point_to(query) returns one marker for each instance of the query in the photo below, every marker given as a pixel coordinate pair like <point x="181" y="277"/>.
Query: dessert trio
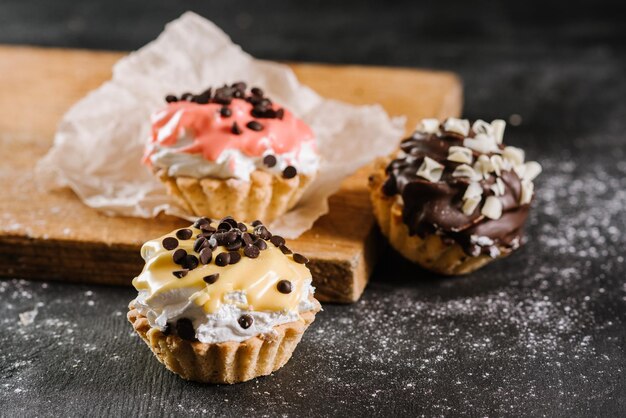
<point x="225" y="301"/>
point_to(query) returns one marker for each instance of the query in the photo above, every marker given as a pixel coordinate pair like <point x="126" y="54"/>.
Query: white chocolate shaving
<point x="470" y="205"/>
<point x="498" y="126"/>
<point x="492" y="208"/>
<point x="473" y="190"/>
<point x="480" y="127"/>
<point x="514" y="155"/>
<point x="483" y="166"/>
<point x="482" y="143"/>
<point x="526" y="194"/>
<point x="531" y="170"/>
<point x="496" y="163"/>
<point x="460" y="154"/>
<point x="465" y="170"/>
<point x="458" y="126"/>
<point x="498" y="187"/>
<point x="428" y="126"/>
<point x="430" y="169"/>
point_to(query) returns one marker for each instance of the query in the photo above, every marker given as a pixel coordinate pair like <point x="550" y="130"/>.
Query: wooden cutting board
<point x="52" y="235"/>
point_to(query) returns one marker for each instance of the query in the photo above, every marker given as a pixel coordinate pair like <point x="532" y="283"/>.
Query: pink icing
<point x="212" y="134"/>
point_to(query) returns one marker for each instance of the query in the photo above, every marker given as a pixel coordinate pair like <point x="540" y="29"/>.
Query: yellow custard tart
<point x="222" y="301"/>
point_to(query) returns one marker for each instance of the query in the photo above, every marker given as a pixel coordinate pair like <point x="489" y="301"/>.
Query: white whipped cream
<point x="231" y="163"/>
<point x="222" y="325"/>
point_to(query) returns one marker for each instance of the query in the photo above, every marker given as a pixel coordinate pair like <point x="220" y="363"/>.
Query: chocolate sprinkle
<point x="251" y="251"/>
<point x="299" y="258"/>
<point x="169" y="243"/>
<point x="211" y="278"/>
<point x="290" y="172"/>
<point x="179" y="256"/>
<point x="269" y="160"/>
<point x="206" y="255"/>
<point x="284" y="286"/>
<point x="184" y="329"/>
<point x="236" y="129"/>
<point x="180" y="273"/>
<point x="184" y="234"/>
<point x="235" y="257"/>
<point x="245" y="321"/>
<point x="254" y="125"/>
<point x="225" y="112"/>
<point x="277" y="240"/>
<point x="222" y="259"/>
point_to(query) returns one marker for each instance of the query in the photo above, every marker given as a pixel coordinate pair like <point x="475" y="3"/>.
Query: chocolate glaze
<point x="437" y="207"/>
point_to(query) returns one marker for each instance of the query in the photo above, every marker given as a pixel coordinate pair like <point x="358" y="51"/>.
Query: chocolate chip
<point x="262" y="232"/>
<point x="299" y="258"/>
<point x="179" y="256"/>
<point x="251" y="251"/>
<point x="254" y="125"/>
<point x="235" y="257"/>
<point x="169" y="243"/>
<point x="260" y="244"/>
<point x="234" y="246"/>
<point x="199" y="244"/>
<point x="186" y="96"/>
<point x="202" y="98"/>
<point x="280" y="113"/>
<point x="225" y="112"/>
<point x="201" y="221"/>
<point x="236" y="129"/>
<point x="184" y="234"/>
<point x="190" y="262"/>
<point x="224" y="226"/>
<point x="212" y="243"/>
<point x="247" y="238"/>
<point x="256" y="91"/>
<point x="229" y="220"/>
<point x="180" y="273"/>
<point x="240" y="85"/>
<point x="211" y="278"/>
<point x="257" y="223"/>
<point x="284" y="286"/>
<point x="222" y="259"/>
<point x="242" y="227"/>
<point x="245" y="321"/>
<point x="206" y="255"/>
<point x="170" y="98"/>
<point x="277" y="240"/>
<point x="230" y="237"/>
<point x="290" y="172"/>
<point x="269" y="160"/>
<point x="285" y="249"/>
<point x="167" y="330"/>
<point x="184" y="329"/>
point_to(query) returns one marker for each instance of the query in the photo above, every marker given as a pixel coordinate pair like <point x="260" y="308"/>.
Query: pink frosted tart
<point x="232" y="151"/>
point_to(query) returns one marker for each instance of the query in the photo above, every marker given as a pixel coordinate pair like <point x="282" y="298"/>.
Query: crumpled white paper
<point x="99" y="143"/>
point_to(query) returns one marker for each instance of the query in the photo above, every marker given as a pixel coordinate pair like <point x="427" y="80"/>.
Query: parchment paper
<point x="99" y="143"/>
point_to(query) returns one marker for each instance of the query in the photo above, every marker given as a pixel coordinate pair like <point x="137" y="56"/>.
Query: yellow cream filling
<point x="257" y="277"/>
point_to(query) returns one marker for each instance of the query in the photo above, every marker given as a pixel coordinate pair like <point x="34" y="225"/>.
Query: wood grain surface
<point x="52" y="235"/>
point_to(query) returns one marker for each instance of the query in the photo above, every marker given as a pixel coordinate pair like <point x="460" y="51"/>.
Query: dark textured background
<point x="540" y="333"/>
